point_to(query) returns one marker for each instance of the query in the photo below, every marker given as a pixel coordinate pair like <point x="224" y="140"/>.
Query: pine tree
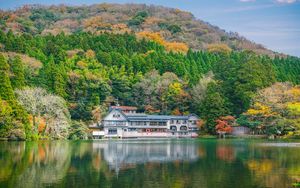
<point x="6" y="93"/>
<point x="17" y="69"/>
<point x="5" y="118"/>
<point x="46" y="75"/>
<point x="59" y="80"/>
<point x="212" y="107"/>
<point x="6" y="90"/>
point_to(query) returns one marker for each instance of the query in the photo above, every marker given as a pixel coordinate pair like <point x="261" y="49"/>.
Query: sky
<point x="273" y="23"/>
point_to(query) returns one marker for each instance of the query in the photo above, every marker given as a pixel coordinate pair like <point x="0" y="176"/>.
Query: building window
<point x="183" y="128"/>
<point x="172" y="121"/>
<point x="178" y="122"/>
<point x="116" y="115"/>
<point x="112" y="131"/>
<point x="173" y="128"/>
<point x="140" y="123"/>
<point x="153" y="123"/>
<point x="120" y="123"/>
<point x="162" y="123"/>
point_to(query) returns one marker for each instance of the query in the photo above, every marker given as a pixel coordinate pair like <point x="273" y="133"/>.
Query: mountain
<point x="52" y="86"/>
<point x="172" y="25"/>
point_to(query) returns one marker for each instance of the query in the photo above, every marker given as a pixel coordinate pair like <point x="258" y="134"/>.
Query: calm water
<point x="165" y="163"/>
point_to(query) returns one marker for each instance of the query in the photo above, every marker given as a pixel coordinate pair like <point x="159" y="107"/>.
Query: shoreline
<point x="203" y="137"/>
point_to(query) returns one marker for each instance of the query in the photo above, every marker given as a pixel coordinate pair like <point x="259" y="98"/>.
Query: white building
<point x="124" y="122"/>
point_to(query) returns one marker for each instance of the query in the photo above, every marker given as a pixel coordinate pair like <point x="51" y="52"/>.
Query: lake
<point x="150" y="163"/>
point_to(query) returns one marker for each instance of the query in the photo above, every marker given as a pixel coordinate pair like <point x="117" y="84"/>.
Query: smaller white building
<point x="124" y="122"/>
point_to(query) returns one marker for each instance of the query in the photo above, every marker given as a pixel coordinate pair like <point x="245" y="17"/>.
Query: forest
<point x="54" y="86"/>
<point x="172" y="24"/>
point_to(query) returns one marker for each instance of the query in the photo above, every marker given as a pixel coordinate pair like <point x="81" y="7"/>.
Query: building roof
<point x="138" y="117"/>
<point x="124" y="107"/>
<point x="143" y="117"/>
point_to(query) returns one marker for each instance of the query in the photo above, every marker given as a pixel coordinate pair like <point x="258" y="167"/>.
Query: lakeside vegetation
<point x="52" y="86"/>
<point x="62" y="67"/>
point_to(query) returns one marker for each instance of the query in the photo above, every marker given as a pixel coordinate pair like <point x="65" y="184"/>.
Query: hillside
<point x="173" y="25"/>
<point x="53" y="86"/>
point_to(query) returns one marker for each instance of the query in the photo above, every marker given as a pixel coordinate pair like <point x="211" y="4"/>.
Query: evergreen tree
<point x="6" y="90"/>
<point x="17" y="69"/>
<point x="212" y="107"/>
<point x="5" y="118"/>
<point x="46" y="75"/>
<point x="59" y="80"/>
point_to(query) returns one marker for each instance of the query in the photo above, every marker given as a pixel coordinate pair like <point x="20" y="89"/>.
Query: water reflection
<point x="165" y="163"/>
<point x="123" y="154"/>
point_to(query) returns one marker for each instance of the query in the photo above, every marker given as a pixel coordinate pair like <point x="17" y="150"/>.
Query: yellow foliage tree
<point x="81" y="64"/>
<point x="90" y="54"/>
<point x="294" y="108"/>
<point x="170" y="46"/>
<point x="95" y="23"/>
<point x="260" y="110"/>
<point x="219" y="48"/>
<point x="277" y="107"/>
<point x="176" y="47"/>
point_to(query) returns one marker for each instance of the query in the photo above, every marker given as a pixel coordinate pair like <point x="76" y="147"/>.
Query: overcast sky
<point x="273" y="23"/>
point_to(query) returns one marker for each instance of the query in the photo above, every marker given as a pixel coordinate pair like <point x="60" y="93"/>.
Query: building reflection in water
<point x="120" y="154"/>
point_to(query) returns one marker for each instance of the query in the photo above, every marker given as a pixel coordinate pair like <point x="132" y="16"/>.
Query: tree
<point x="6" y="90"/>
<point x="57" y="116"/>
<point x="78" y="130"/>
<point x="276" y="108"/>
<point x="17" y="69"/>
<point x="31" y="100"/>
<point x="198" y="91"/>
<point x="176" y="98"/>
<point x="244" y="120"/>
<point x="6" y="118"/>
<point x="212" y="107"/>
<point x="161" y="93"/>
<point x="121" y="85"/>
<point x="224" y="125"/>
<point x="145" y="91"/>
<point x="53" y="108"/>
<point x="60" y="80"/>
<point x="242" y="75"/>
<point x="219" y="48"/>
<point x="53" y="77"/>
<point x="251" y="76"/>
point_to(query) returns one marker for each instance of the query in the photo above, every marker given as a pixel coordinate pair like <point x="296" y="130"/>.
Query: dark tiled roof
<point x="141" y="117"/>
<point x="124" y="107"/>
<point x="136" y="117"/>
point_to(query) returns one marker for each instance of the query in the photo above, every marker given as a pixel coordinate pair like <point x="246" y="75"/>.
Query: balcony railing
<point x="114" y="123"/>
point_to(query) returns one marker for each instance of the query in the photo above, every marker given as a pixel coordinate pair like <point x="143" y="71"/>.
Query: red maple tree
<point x="224" y="124"/>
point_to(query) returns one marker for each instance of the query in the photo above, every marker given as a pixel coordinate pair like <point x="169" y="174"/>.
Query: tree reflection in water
<point x="159" y="163"/>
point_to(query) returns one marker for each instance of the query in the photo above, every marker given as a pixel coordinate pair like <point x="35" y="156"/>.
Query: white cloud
<point x="286" y="1"/>
<point x="248" y="8"/>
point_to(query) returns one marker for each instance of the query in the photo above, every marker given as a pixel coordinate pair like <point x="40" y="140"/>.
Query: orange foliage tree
<point x="150" y="109"/>
<point x="224" y="124"/>
<point x="170" y="46"/>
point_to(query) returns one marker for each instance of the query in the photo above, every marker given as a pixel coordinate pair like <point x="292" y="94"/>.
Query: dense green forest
<point x="173" y="25"/>
<point x="53" y="86"/>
